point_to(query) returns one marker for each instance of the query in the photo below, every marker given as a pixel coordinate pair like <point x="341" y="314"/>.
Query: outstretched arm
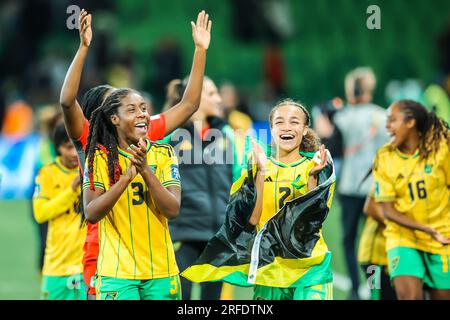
<point x="73" y="115"/>
<point x="392" y="214"/>
<point x="181" y="112"/>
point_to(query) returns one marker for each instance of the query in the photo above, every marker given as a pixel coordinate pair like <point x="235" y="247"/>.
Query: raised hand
<point x="259" y="155"/>
<point x="322" y="164"/>
<point x="201" y="30"/>
<point x="139" y="153"/>
<point x="131" y="173"/>
<point x="85" y="28"/>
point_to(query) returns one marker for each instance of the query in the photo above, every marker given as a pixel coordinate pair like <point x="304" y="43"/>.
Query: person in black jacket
<point x="205" y="151"/>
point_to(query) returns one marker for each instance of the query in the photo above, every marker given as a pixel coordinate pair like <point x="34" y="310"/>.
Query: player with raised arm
<point x="76" y="116"/>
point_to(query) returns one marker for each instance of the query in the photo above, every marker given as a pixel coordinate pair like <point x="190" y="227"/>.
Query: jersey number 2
<point x="286" y="193"/>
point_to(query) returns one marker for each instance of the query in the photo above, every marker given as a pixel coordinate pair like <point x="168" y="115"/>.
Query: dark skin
<point x="373" y="209"/>
<point x="175" y="117"/>
<point x="98" y="203"/>
<point x="406" y="138"/>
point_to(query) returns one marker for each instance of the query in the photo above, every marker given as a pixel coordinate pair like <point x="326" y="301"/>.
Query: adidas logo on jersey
<point x="268" y="179"/>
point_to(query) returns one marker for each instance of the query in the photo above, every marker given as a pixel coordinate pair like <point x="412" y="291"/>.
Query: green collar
<point x="129" y="155"/>
<point x="406" y="156"/>
<point x="64" y="168"/>
<point x="283" y="165"/>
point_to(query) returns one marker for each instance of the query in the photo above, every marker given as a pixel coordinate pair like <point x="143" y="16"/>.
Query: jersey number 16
<point x="421" y="191"/>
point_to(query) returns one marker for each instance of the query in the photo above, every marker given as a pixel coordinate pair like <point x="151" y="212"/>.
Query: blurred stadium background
<point x="268" y="49"/>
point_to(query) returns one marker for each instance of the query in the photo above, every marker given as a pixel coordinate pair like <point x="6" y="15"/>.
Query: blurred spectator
<point x="362" y="125"/>
<point x="167" y="64"/>
<point x="18" y="120"/>
<point x="274" y="73"/>
<point x="329" y="134"/>
<point x="233" y="108"/>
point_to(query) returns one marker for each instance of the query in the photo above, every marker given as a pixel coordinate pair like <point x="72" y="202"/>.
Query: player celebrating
<point x="55" y="199"/>
<point x="283" y="177"/>
<point x="131" y="189"/>
<point x="412" y="175"/>
<point x="76" y="116"/>
<point x="288" y="258"/>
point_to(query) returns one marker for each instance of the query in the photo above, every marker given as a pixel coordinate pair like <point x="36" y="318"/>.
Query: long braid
<point x="432" y="130"/>
<point x="103" y="136"/>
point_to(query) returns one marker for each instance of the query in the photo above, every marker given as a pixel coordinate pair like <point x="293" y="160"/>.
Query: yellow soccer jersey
<point x="372" y="245"/>
<point x="134" y="236"/>
<point x="55" y="201"/>
<point x="284" y="182"/>
<point x="420" y="190"/>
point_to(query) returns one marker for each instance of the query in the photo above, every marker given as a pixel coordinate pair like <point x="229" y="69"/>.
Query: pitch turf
<point x="19" y="275"/>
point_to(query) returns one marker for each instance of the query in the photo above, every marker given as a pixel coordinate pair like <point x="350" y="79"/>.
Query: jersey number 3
<point x="138" y="193"/>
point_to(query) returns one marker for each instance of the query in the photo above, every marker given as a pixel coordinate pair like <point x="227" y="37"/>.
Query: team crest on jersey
<point x="428" y="168"/>
<point x="296" y="184"/>
<point x="175" y="172"/>
<point x="153" y="168"/>
<point x="111" y="295"/>
<point x="394" y="262"/>
<point x="400" y="176"/>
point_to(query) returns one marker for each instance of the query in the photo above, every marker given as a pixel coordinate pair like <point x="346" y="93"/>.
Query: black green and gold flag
<point x="279" y="255"/>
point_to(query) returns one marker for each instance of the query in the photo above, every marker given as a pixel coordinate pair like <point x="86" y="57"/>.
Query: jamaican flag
<point x="278" y="255"/>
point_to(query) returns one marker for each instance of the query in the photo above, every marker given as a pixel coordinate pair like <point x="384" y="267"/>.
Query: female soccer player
<point x="412" y="175"/>
<point x="372" y="251"/>
<point x="131" y="189"/>
<point x="271" y="239"/>
<point x="76" y="116"/>
<point x="286" y="175"/>
<point x="56" y="196"/>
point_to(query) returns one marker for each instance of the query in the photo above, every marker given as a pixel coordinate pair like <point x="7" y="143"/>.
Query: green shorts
<point x="109" y="288"/>
<point x="63" y="288"/>
<point x="317" y="292"/>
<point x="433" y="269"/>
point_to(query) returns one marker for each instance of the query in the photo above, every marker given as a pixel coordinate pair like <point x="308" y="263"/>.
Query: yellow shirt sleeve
<point x="99" y="172"/>
<point x="46" y="205"/>
<point x="170" y="174"/>
<point x="384" y="187"/>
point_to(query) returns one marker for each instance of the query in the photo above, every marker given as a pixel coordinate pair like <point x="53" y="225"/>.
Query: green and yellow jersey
<point x="372" y="245"/>
<point x="134" y="236"/>
<point x="282" y="183"/>
<point x="55" y="201"/>
<point x="420" y="190"/>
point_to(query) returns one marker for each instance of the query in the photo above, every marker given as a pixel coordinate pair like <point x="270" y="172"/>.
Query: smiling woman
<point x="134" y="183"/>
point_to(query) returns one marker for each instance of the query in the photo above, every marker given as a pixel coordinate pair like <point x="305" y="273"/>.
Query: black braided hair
<point x="94" y="98"/>
<point x="432" y="130"/>
<point x="103" y="135"/>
